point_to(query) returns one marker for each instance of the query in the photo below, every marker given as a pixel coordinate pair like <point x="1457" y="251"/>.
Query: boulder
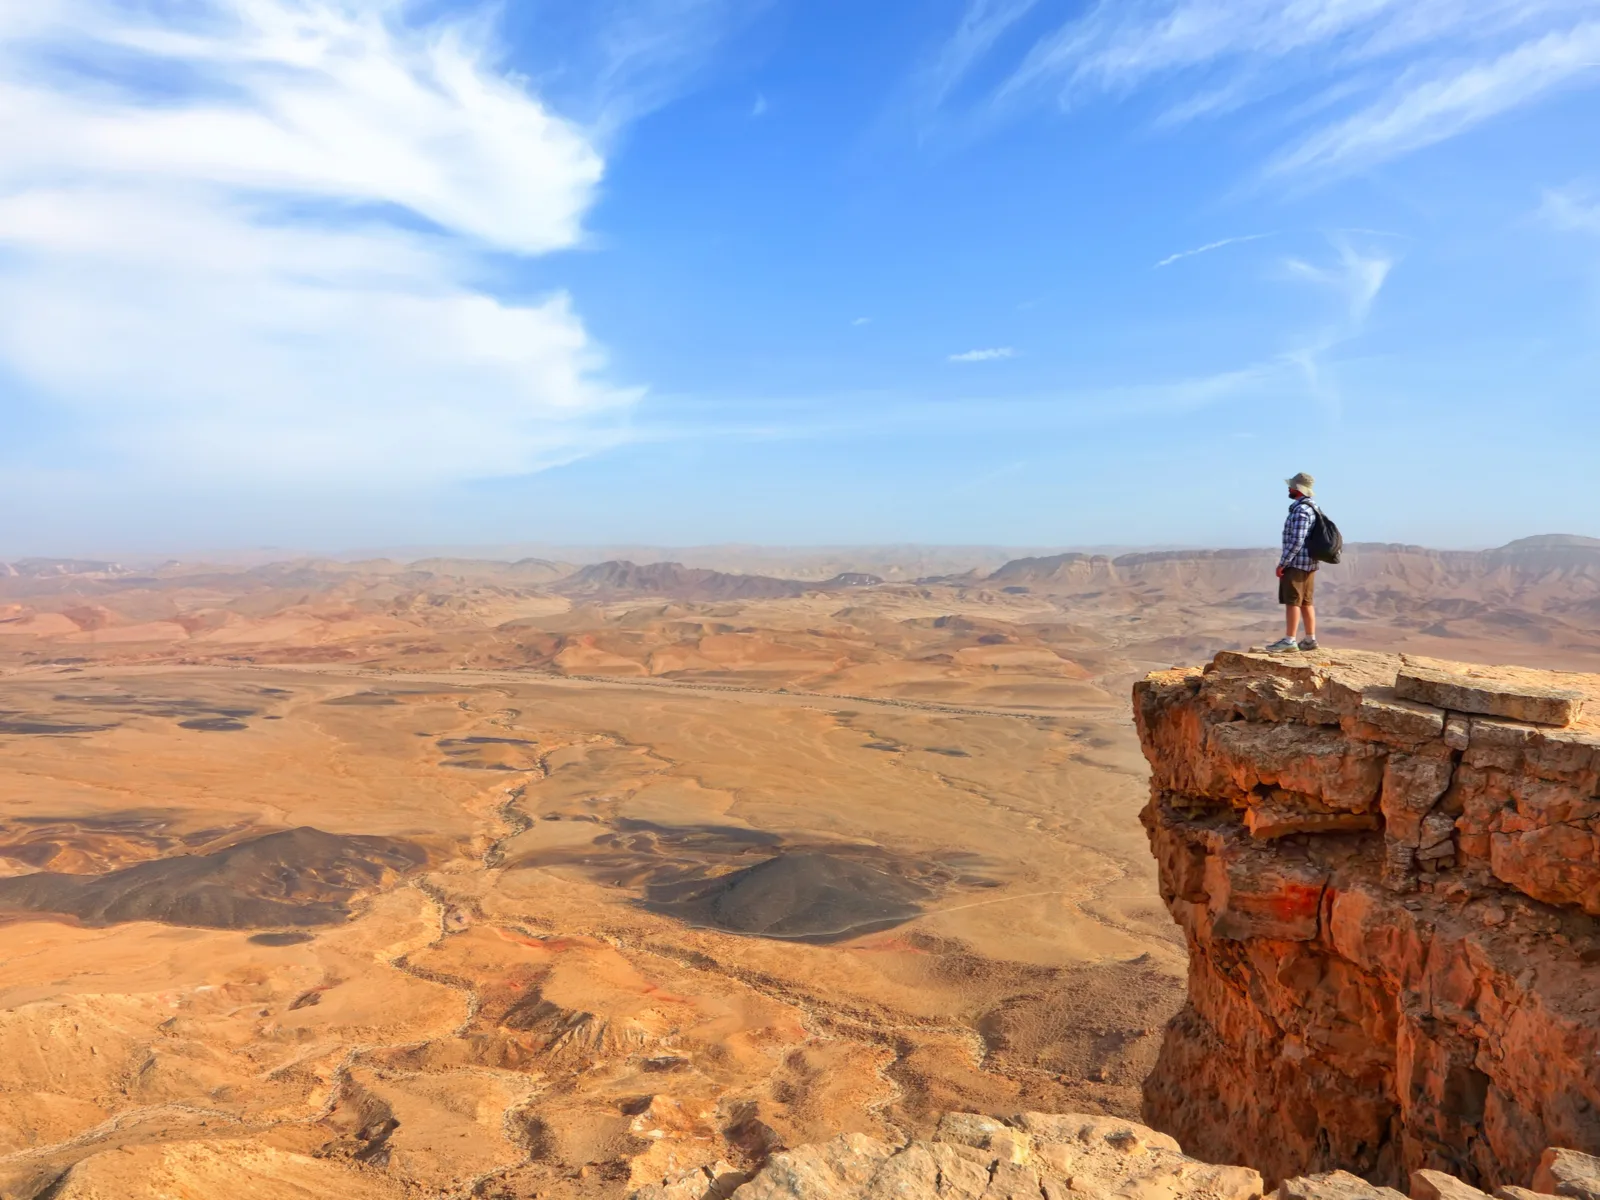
<point x="1568" y="1173"/>
<point x="839" y="1168"/>
<point x="1436" y="1185"/>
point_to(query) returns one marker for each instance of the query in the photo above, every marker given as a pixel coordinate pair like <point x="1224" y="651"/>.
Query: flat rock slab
<point x="1334" y="1185"/>
<point x="1272" y="817"/>
<point x="1490" y="697"/>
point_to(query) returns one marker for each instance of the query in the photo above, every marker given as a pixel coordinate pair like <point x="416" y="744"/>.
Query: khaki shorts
<point x="1296" y="586"/>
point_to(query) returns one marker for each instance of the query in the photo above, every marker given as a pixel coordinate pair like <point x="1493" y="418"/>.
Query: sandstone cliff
<point x="1388" y="872"/>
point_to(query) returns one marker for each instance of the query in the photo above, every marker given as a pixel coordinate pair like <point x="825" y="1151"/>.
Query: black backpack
<point x="1324" y="542"/>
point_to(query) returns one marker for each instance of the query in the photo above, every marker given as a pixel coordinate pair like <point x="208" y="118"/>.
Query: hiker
<point x="1297" y="570"/>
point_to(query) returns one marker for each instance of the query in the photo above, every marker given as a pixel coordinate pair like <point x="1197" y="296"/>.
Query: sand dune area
<point x="512" y="880"/>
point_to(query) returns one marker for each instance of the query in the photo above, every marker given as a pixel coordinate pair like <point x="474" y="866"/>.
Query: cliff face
<point x="1388" y="872"/>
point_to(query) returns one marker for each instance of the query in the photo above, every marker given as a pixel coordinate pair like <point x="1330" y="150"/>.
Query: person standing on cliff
<point x="1297" y="570"/>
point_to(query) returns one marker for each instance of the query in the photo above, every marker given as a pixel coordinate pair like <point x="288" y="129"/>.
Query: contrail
<point x="1172" y="258"/>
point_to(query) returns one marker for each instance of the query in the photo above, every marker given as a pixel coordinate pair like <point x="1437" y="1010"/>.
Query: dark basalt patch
<point x="379" y="699"/>
<point x="811" y="897"/>
<point x="15" y="723"/>
<point x="751" y="882"/>
<point x="293" y="937"/>
<point x="296" y="878"/>
<point x="159" y="706"/>
<point x="213" y="724"/>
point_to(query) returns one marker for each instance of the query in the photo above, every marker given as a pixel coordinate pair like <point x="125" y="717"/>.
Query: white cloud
<point x="984" y="22"/>
<point x="1354" y="279"/>
<point x="1208" y="247"/>
<point x="1357" y="278"/>
<point x="1571" y="210"/>
<point x="1432" y="105"/>
<point x="973" y="356"/>
<point x="862" y="321"/>
<point x="1365" y="80"/>
<point x="622" y="59"/>
<point x="759" y="108"/>
<point x="277" y="273"/>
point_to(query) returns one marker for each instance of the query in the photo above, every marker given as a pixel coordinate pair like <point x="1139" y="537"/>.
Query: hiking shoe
<point x="1283" y="644"/>
<point x="1309" y="644"/>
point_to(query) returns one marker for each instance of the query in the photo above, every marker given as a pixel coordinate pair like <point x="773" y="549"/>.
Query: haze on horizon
<point x="338" y="273"/>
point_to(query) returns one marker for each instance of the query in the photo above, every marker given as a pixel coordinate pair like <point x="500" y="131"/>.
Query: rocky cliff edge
<point x="1388" y="873"/>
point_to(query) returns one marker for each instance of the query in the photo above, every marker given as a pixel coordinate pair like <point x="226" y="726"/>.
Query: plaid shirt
<point x="1295" y="531"/>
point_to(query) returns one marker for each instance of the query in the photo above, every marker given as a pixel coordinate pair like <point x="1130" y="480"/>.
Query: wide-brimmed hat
<point x="1302" y="483"/>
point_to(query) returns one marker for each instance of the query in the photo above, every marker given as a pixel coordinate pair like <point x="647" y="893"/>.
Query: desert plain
<point x="464" y="877"/>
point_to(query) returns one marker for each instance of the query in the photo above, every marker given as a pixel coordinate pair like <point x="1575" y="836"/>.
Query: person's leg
<point x="1289" y="596"/>
<point x="1309" y="612"/>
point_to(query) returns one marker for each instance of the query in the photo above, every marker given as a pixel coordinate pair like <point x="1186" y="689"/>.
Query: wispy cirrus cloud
<point x="1355" y="82"/>
<point x="1571" y="209"/>
<point x="981" y="26"/>
<point x="1209" y="247"/>
<point x="989" y="355"/>
<point x="610" y="62"/>
<point x="1434" y="104"/>
<point x="252" y="240"/>
<point x="1354" y="278"/>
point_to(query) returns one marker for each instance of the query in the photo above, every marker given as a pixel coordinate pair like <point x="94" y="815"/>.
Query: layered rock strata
<point x="1388" y="874"/>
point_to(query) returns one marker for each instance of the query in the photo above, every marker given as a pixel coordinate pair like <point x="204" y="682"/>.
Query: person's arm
<point x="1295" y="531"/>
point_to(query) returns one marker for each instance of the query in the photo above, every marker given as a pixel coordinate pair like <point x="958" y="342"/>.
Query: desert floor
<point x="379" y="888"/>
<point x="469" y="933"/>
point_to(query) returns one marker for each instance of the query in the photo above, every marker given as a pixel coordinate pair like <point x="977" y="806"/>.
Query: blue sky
<point x="326" y="273"/>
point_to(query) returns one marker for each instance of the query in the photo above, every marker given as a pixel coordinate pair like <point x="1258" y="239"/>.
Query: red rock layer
<point x="1394" y="958"/>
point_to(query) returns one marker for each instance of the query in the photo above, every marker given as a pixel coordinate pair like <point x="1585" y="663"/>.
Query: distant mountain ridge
<point x="678" y="582"/>
<point x="1211" y="573"/>
<point x="1553" y="541"/>
<point x="1547" y="557"/>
